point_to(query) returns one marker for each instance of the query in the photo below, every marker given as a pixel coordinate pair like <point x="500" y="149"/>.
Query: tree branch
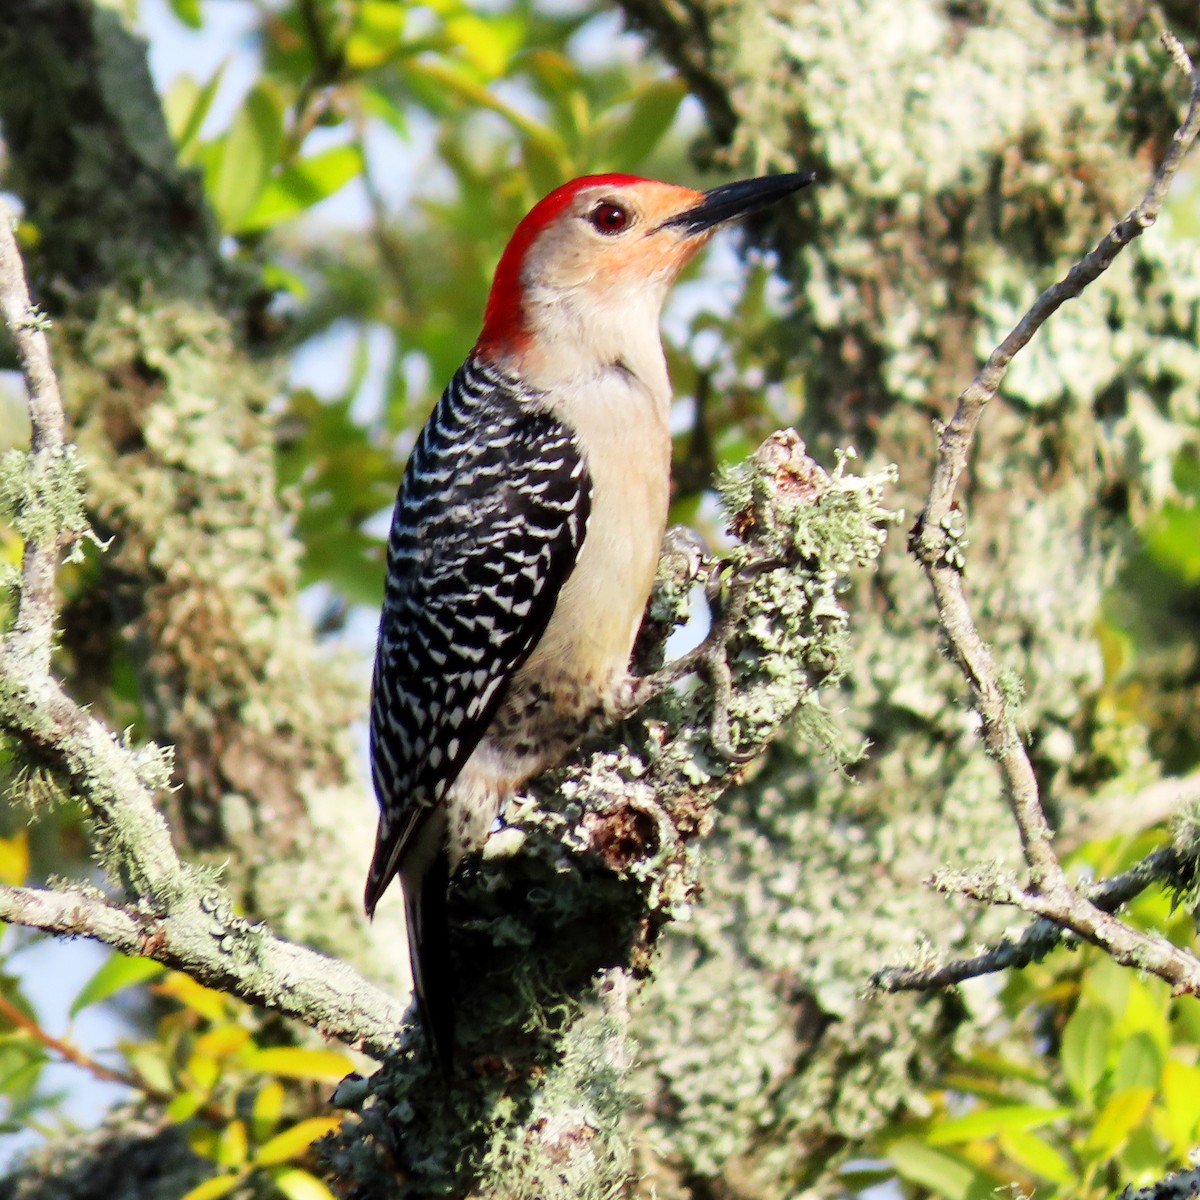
<point x="180" y="916"/>
<point x="32" y="633"/>
<point x="936" y="541"/>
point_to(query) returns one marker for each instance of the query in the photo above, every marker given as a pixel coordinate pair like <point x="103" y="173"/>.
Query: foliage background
<point x="245" y="509"/>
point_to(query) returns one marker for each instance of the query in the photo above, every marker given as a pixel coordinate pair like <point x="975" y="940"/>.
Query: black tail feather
<point x="426" y="911"/>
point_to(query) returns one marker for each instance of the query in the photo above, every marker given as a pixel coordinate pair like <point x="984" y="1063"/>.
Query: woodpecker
<point x="526" y="533"/>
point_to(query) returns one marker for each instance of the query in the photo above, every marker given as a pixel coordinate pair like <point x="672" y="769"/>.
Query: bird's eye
<point x="608" y="218"/>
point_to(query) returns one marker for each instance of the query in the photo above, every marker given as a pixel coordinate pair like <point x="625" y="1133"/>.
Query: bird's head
<point x="586" y="272"/>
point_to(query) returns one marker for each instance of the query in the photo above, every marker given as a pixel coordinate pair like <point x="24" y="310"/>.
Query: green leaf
<point x="248" y="154"/>
<point x="116" y="974"/>
<point x="296" y="1184"/>
<point x="943" y="1174"/>
<point x="988" y="1122"/>
<point x="185" y="106"/>
<point x="1085" y="1048"/>
<point x="300" y="185"/>
<point x="188" y="11"/>
<point x="650" y="116"/>
<point x="1140" y="1062"/>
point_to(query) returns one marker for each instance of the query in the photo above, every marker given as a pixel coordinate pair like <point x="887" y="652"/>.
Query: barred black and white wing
<point x="489" y="522"/>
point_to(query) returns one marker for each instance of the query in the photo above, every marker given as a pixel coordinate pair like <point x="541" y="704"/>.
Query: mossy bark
<point x="968" y="154"/>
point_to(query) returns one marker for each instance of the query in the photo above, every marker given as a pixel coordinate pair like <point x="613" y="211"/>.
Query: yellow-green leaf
<point x="206" y="1002"/>
<point x="325" y="1066"/>
<point x="183" y="1107"/>
<point x="247" y="155"/>
<point x="1117" y="1120"/>
<point x="233" y="1146"/>
<point x="221" y="1041"/>
<point x="185" y="105"/>
<point x="267" y="1109"/>
<point x="942" y="1173"/>
<point x="204" y="1072"/>
<point x="376" y="34"/>
<point x="988" y="1122"/>
<point x="291" y="1142"/>
<point x="188" y="11"/>
<point x="1180" y="1113"/>
<point x="296" y="1184"/>
<point x="212" y="1189"/>
<point x="1037" y="1156"/>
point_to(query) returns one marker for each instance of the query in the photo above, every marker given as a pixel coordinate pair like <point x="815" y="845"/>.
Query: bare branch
<point x="935" y="542"/>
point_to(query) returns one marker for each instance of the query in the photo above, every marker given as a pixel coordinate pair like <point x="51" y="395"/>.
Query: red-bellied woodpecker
<point x="526" y="533"/>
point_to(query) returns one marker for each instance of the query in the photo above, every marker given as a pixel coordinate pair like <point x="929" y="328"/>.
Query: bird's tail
<point x="421" y="860"/>
<point x="425" y="910"/>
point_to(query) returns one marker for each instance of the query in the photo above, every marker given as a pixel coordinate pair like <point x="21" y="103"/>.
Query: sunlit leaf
<point x="488" y="43"/>
<point x="233" y="1146"/>
<point x="14" y="859"/>
<point x="115" y="974"/>
<point x="206" y="1002"/>
<point x="1180" y="1112"/>
<point x="185" y="105"/>
<point x="988" y="1122"/>
<point x="296" y="1184"/>
<point x="1037" y="1156"/>
<point x="377" y="31"/>
<point x="290" y="1062"/>
<point x="222" y="1041"/>
<point x="212" y="1189"/>
<point x="204" y="1072"/>
<point x="300" y="185"/>
<point x="184" y="1106"/>
<point x="287" y="1145"/>
<point x="247" y="155"/>
<point x="266" y="1110"/>
<point x="1117" y="1120"/>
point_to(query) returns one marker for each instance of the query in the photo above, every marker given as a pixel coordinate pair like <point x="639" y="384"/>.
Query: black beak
<point x="732" y="200"/>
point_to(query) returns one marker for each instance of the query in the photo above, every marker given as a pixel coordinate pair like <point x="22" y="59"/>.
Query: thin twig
<point x="933" y="541"/>
<point x="1039" y="939"/>
<point x="65" y="1050"/>
<point x="32" y="633"/>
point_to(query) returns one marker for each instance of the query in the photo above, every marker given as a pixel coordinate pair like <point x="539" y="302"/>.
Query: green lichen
<point x="42" y="494"/>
